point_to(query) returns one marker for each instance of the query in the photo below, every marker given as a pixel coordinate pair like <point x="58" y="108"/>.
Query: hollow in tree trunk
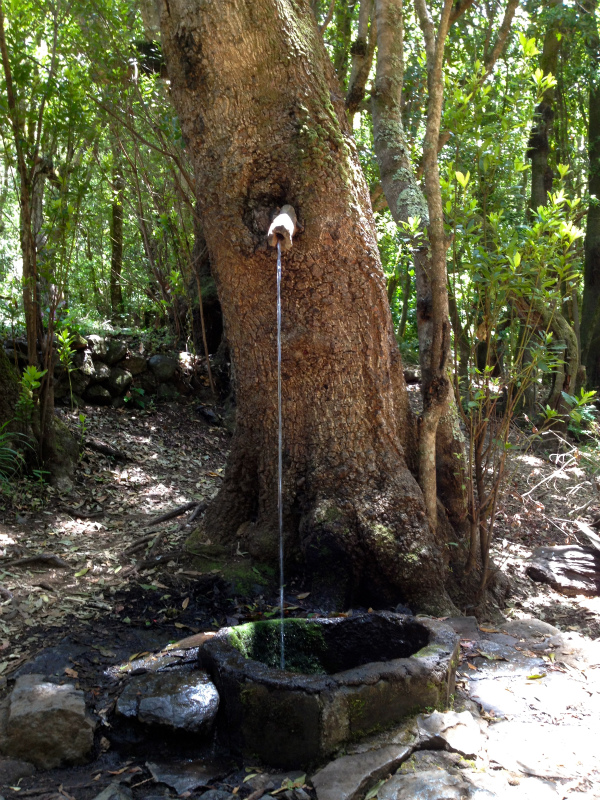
<point x="264" y="119"/>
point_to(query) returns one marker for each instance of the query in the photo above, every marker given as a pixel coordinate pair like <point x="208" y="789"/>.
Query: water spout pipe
<point x="283" y="228"/>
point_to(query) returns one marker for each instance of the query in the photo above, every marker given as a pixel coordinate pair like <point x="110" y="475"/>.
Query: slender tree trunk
<point x="116" y="239"/>
<point x="539" y="141"/>
<point x="590" y="314"/>
<point x="266" y="125"/>
<point x="362" y="51"/>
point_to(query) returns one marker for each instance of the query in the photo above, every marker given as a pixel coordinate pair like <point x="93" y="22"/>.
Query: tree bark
<point x="539" y="140"/>
<point x="265" y="123"/>
<point x="116" y="239"/>
<point x="590" y="313"/>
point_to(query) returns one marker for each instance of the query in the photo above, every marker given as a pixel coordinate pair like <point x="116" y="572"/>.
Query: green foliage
<point x="26" y="404"/>
<point x="11" y="459"/>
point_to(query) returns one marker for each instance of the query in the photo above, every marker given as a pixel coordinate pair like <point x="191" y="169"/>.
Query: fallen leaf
<point x="185" y="603"/>
<point x="302" y="596"/>
<point x="536" y="676"/>
<point x="82" y="572"/>
<point x="471" y="666"/>
<point x="489" y="630"/>
<point x="71" y="672"/>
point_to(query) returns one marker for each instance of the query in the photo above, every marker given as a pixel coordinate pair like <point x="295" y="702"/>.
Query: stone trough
<point x="344" y="678"/>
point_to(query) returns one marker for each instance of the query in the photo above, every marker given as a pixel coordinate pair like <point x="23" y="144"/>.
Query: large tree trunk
<point x="265" y="123"/>
<point x="590" y="315"/>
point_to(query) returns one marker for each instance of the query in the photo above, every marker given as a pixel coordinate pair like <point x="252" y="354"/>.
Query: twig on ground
<point x="41" y="558"/>
<point x="197" y="511"/>
<point x="584" y="507"/>
<point x="176" y="512"/>
<point x="105" y="449"/>
<point x="139" y="543"/>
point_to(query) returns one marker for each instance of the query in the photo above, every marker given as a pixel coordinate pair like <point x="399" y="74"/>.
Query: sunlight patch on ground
<point x="533" y="461"/>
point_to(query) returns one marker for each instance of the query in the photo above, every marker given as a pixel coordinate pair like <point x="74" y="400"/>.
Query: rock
<point x="62" y="456"/>
<point x="84" y="363"/>
<point x="433" y="784"/>
<point x="529" y="629"/>
<point x="115" y="351"/>
<point x="147" y="381"/>
<point x="12" y="769"/>
<point x="79" y="382"/>
<point x="466" y="627"/>
<point x="99" y="395"/>
<point x="102" y="371"/>
<point x="456" y="732"/>
<point x="163" y="367"/>
<point x="185" y="701"/>
<point x="79" y="343"/>
<point x="98" y="346"/>
<point x="570" y="569"/>
<point x="48" y="724"/>
<point x="216" y="794"/>
<point x="349" y="777"/>
<point x="166" y="392"/>
<point x="115" y="791"/>
<point x="119" y="381"/>
<point x="135" y="364"/>
<point x="185" y="776"/>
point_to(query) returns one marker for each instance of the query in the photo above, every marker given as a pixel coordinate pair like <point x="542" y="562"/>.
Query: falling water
<point x="279" y="451"/>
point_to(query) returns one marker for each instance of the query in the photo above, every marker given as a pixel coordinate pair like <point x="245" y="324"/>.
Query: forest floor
<point x="122" y="585"/>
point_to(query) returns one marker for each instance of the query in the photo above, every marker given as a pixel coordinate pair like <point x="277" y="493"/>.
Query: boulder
<point x="147" y="381"/>
<point x="79" y="382"/>
<point x="182" y="701"/>
<point x="135" y="364"/>
<point x="102" y="372"/>
<point x="83" y="361"/>
<point x="119" y="381"/>
<point x="529" y="628"/>
<point x="48" y="724"/>
<point x="98" y="347"/>
<point x="99" y="395"/>
<point x="115" y="351"/>
<point x="163" y="367"/>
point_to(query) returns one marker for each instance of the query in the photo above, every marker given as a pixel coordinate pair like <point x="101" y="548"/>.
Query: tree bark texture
<point x="539" y="140"/>
<point x="590" y="314"/>
<point x="116" y="240"/>
<point x="265" y="123"/>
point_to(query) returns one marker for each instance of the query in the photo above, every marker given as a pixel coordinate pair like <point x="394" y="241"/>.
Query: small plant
<point x="30" y="382"/>
<point x="11" y="460"/>
<point x="65" y="341"/>
<point x="82" y="432"/>
<point x="135" y="396"/>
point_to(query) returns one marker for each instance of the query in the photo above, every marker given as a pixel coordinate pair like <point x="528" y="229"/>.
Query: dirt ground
<point x="113" y="585"/>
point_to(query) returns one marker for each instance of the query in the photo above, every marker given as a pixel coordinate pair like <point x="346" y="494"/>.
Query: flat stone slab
<point x="569" y="569"/>
<point x="459" y="733"/>
<point x="182" y="701"/>
<point x="349" y="777"/>
<point x="185" y="776"/>
<point x="48" y="724"/>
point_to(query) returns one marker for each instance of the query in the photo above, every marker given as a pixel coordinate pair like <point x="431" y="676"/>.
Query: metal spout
<point x="283" y="228"/>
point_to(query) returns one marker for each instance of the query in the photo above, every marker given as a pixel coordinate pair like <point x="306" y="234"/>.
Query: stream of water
<point x="279" y="453"/>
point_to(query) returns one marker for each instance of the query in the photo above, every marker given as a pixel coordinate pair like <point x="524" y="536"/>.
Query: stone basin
<point x="344" y="678"/>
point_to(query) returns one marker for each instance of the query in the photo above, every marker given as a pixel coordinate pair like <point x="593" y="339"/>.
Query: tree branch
<point x="328" y="18"/>
<point x="491" y="58"/>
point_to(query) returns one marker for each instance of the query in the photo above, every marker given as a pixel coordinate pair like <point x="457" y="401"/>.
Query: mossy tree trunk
<point x="264" y="119"/>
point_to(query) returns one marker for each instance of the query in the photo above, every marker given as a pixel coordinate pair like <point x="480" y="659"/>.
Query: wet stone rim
<point x="291" y="719"/>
